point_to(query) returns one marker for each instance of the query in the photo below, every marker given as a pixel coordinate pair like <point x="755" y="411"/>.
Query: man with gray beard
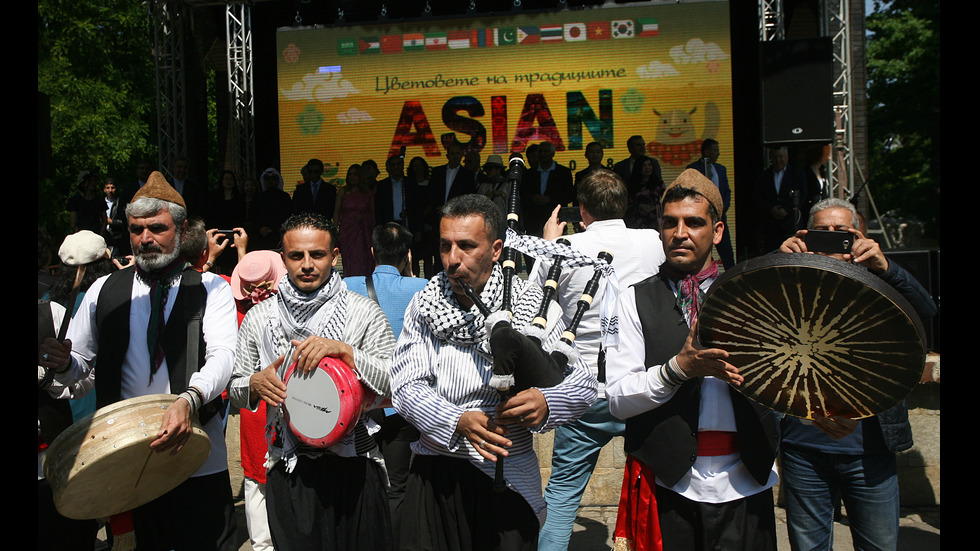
<point x="136" y="323"/>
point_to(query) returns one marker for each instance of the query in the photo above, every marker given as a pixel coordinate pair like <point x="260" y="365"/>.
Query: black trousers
<point x="747" y="524"/>
<point x="198" y="514"/>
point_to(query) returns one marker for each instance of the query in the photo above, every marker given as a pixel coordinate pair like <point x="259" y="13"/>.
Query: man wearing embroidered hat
<point x="700" y="465"/>
<point x="134" y="324"/>
<point x="316" y="498"/>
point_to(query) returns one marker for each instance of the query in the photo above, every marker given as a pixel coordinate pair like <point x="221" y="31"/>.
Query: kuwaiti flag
<point x="436" y="41"/>
<point x="598" y="30"/>
<point x="391" y="44"/>
<point x="551" y="33"/>
<point x="505" y="36"/>
<point x="459" y="40"/>
<point x="575" y="32"/>
<point x="622" y="29"/>
<point x="369" y="45"/>
<point x="413" y="42"/>
<point x="482" y="38"/>
<point x="528" y="35"/>
<point x="648" y="27"/>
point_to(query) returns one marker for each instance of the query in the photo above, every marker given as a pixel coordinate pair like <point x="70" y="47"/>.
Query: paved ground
<point x="918" y="530"/>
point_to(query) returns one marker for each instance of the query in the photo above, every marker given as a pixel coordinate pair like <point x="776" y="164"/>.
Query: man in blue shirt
<point x="393" y="288"/>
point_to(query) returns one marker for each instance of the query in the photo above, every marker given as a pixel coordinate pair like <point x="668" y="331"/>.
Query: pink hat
<point x="254" y="268"/>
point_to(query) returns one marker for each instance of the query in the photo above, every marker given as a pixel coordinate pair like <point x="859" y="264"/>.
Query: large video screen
<point x="498" y="84"/>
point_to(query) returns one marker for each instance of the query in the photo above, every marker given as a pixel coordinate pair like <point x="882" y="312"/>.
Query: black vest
<point x="53" y="415"/>
<point x="666" y="438"/>
<point x="112" y="319"/>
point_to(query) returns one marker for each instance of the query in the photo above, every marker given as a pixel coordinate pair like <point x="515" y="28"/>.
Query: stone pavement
<point x="918" y="530"/>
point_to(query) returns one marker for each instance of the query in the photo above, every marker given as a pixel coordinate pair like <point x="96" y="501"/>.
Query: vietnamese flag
<point x="598" y="30"/>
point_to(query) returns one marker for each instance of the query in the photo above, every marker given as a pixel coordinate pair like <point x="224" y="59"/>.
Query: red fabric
<point x="121" y="523"/>
<point x="637" y="524"/>
<point x="253" y="444"/>
<point x="713" y="443"/>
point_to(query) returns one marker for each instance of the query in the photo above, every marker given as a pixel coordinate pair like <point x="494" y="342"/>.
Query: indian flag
<point x="413" y="42"/>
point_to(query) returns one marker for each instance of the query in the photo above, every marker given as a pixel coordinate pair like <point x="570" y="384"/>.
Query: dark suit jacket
<point x="195" y="198"/>
<point x="559" y="191"/>
<point x="772" y="232"/>
<point x="384" y="204"/>
<point x="326" y="199"/>
<point x="464" y="183"/>
<point x="580" y="175"/>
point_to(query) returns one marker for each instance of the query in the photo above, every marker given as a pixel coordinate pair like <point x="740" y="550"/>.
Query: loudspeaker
<point x="797" y="91"/>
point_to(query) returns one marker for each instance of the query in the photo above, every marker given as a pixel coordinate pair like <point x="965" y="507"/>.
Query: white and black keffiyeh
<point x="545" y="250"/>
<point x="447" y="320"/>
<point x="296" y="316"/>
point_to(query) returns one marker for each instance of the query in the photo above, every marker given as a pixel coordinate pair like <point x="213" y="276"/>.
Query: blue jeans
<point x="576" y="451"/>
<point x="867" y="484"/>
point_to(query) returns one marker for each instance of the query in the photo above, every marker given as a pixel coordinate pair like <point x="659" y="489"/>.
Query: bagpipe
<point x="520" y="361"/>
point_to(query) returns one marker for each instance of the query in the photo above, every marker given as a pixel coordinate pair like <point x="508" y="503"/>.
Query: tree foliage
<point x="94" y="62"/>
<point x="903" y="96"/>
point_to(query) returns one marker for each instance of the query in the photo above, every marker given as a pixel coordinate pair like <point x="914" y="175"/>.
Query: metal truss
<point x="241" y="135"/>
<point x="169" y="20"/>
<point x="841" y="167"/>
<point x="771" y="20"/>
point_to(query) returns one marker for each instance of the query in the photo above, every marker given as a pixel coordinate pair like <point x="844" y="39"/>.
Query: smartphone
<point x="571" y="216"/>
<point x="830" y="242"/>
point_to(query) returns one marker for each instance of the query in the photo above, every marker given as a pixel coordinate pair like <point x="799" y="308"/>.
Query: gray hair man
<point x="840" y="456"/>
<point x="134" y="326"/>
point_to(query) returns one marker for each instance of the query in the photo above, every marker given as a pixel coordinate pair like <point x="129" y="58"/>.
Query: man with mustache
<point x="700" y="468"/>
<point x="441" y="383"/>
<point x="134" y="325"/>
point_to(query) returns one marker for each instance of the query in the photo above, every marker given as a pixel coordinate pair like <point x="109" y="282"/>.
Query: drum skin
<point x="814" y="336"/>
<point x="103" y="465"/>
<point x="323" y="406"/>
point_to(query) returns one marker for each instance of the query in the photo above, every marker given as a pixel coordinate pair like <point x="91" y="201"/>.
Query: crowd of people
<point x="164" y="306"/>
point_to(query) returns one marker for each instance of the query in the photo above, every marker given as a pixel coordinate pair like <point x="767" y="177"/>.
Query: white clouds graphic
<point x="656" y="69"/>
<point x="324" y="88"/>
<point x="697" y="51"/>
<point x="354" y="116"/>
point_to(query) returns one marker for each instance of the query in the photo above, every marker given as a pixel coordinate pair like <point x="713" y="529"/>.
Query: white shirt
<point x="633" y="389"/>
<point x="637" y="255"/>
<point x="220" y="326"/>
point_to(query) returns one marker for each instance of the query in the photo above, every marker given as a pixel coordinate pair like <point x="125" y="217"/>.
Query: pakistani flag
<point x="505" y="36"/>
<point x="622" y="29"/>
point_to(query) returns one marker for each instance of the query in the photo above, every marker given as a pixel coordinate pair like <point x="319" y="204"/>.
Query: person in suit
<point x="708" y="165"/>
<point x="315" y="195"/>
<point x="593" y="154"/>
<point x="780" y="201"/>
<point x="446" y="182"/>
<point x="544" y="189"/>
<point x="193" y="193"/>
<point x="629" y="167"/>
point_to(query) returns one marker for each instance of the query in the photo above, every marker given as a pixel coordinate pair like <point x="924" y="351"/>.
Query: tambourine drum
<point x="814" y="336"/>
<point x="103" y="465"/>
<point x="323" y="406"/>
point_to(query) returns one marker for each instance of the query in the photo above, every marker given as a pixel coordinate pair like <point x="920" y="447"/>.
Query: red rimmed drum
<point x="323" y="406"/>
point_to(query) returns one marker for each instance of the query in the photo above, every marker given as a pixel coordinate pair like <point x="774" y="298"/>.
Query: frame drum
<point x="813" y="335"/>
<point x="103" y="465"/>
<point x="323" y="406"/>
